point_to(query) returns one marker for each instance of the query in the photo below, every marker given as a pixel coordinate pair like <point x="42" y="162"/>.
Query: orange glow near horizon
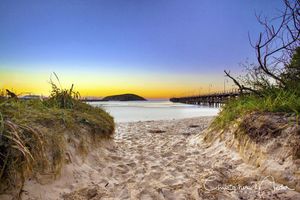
<point x="151" y="86"/>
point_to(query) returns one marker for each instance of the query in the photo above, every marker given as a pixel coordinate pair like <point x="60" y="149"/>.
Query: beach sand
<point x="159" y="160"/>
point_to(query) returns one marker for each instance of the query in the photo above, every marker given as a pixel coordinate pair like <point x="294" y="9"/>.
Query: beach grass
<point x="34" y="133"/>
<point x="271" y="100"/>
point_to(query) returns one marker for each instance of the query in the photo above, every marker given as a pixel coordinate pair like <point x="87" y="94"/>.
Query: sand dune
<point x="159" y="160"/>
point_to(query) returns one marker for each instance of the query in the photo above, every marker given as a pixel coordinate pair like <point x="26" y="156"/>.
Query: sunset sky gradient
<point x="156" y="49"/>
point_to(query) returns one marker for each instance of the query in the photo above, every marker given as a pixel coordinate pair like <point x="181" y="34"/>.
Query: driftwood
<point x="11" y="94"/>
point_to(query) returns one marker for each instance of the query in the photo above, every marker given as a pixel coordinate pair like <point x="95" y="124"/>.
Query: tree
<point x="291" y="75"/>
<point x="274" y="50"/>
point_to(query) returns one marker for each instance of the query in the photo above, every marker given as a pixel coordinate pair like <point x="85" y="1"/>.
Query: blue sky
<point x="193" y="38"/>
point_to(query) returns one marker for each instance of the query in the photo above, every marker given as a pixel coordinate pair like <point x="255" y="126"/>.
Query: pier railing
<point x="211" y="99"/>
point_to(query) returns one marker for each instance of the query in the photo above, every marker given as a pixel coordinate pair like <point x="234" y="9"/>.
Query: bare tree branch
<point x="242" y="88"/>
<point x="274" y="48"/>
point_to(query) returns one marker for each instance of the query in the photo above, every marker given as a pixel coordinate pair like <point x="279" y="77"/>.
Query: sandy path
<point x="166" y="160"/>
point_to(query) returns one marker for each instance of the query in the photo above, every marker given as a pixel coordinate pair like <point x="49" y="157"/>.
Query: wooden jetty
<point x="213" y="99"/>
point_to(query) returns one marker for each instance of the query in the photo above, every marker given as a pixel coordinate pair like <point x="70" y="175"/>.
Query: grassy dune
<point x="272" y="100"/>
<point x="34" y="135"/>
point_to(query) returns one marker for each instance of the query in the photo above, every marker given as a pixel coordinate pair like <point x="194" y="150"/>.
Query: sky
<point x="156" y="49"/>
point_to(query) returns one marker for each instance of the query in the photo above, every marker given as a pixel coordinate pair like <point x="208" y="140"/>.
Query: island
<point x="124" y="97"/>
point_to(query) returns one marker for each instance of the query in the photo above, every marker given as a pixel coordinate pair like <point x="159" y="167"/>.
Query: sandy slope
<point x="159" y="160"/>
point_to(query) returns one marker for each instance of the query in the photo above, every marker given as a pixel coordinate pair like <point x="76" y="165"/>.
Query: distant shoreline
<point x="129" y="111"/>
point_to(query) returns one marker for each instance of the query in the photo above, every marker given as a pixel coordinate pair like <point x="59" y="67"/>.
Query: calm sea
<point x="130" y="111"/>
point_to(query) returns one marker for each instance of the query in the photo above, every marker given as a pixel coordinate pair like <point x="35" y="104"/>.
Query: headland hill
<point x="119" y="97"/>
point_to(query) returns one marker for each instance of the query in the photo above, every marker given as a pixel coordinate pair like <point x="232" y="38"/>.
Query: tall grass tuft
<point x="62" y="98"/>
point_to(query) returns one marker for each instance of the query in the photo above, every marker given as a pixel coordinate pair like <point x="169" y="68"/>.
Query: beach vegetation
<point x="34" y="134"/>
<point x="60" y="97"/>
<point x="272" y="83"/>
<point x="273" y="100"/>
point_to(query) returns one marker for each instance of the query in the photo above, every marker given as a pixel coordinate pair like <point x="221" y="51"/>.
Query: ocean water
<point x="131" y="111"/>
